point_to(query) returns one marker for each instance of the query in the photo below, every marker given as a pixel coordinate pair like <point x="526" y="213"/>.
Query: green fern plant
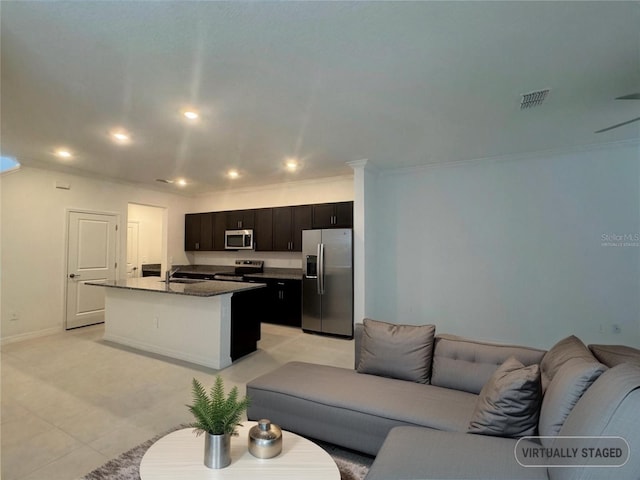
<point x="215" y="413"/>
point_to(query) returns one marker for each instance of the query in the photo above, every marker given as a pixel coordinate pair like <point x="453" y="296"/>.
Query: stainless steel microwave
<point x="238" y="239"/>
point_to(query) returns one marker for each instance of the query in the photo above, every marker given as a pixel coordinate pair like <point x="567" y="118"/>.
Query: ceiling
<point x="398" y="83"/>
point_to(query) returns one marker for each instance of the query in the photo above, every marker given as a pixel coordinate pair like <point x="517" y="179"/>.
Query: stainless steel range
<point x="243" y="267"/>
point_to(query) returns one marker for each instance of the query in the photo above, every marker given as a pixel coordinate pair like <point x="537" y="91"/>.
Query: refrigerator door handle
<point x="321" y="268"/>
<point x="318" y="270"/>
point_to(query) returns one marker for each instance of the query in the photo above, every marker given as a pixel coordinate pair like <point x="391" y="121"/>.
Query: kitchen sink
<point x="183" y="280"/>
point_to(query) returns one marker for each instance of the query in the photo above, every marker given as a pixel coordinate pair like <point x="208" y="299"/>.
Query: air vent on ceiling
<point x="164" y="180"/>
<point x="533" y="99"/>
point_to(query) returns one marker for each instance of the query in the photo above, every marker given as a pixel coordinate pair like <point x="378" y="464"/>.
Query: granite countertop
<point x="278" y="274"/>
<point x="269" y="272"/>
<point x="203" y="288"/>
<point x="208" y="269"/>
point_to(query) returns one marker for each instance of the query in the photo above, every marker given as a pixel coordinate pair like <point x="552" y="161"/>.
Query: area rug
<point x="352" y="465"/>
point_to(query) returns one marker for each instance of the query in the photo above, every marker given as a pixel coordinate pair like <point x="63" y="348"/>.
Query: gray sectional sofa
<point x="414" y="398"/>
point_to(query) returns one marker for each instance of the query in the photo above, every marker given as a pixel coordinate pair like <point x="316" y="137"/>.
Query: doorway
<point x="145" y="237"/>
<point x="133" y="232"/>
<point x="92" y="240"/>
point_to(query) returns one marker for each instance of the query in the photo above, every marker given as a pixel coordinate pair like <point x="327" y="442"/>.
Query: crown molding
<point x="277" y="186"/>
<point x="594" y="147"/>
<point x="364" y="164"/>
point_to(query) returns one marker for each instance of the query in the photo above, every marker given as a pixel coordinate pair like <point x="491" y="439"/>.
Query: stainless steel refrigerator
<point x="327" y="281"/>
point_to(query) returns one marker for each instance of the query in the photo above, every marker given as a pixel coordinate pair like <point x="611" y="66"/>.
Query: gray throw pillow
<point x="565" y="349"/>
<point x="612" y="355"/>
<point x="569" y="383"/>
<point x="509" y="403"/>
<point x="397" y="351"/>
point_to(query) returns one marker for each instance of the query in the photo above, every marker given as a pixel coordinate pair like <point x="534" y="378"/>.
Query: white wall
<point x="149" y="220"/>
<point x="512" y="250"/>
<point x="323" y="190"/>
<point x="271" y="259"/>
<point x="365" y="219"/>
<point x="33" y="240"/>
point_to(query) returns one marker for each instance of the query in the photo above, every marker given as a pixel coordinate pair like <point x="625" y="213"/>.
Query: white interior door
<point x="133" y="231"/>
<point x="91" y="256"/>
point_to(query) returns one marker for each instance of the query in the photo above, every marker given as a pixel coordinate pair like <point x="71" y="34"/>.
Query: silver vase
<point x="265" y="439"/>
<point x="217" y="450"/>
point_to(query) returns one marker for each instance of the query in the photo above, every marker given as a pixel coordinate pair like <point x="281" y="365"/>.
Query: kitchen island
<point x="210" y="323"/>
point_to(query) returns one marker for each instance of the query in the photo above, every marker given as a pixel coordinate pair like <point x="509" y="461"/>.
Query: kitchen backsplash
<point x="271" y="259"/>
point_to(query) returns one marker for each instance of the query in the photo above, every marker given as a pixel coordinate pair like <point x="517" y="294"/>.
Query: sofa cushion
<point x="466" y="365"/>
<point x="508" y="404"/>
<point x="569" y="384"/>
<point x="608" y="408"/>
<point x="397" y="351"/>
<point x="612" y="355"/>
<point x="351" y="409"/>
<point x="422" y="453"/>
<point x="564" y="350"/>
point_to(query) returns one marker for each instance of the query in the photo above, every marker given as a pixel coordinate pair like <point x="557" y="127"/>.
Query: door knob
<point x="73" y="275"/>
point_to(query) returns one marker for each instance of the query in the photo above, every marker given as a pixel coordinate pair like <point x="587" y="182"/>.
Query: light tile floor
<point x="71" y="401"/>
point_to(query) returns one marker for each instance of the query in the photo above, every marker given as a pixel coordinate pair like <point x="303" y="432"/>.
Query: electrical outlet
<point x="14" y="317"/>
<point x="615" y="328"/>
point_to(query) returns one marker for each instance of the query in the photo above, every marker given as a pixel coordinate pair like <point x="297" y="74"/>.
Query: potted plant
<point x="217" y="416"/>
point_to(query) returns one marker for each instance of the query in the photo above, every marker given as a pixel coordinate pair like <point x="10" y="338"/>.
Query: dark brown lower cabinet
<point x="246" y="314"/>
<point x="283" y="302"/>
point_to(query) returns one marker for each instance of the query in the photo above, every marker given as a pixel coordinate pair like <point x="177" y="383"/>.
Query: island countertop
<point x="197" y="288"/>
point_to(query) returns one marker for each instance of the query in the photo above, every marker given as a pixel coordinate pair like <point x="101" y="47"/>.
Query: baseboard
<point x="30" y="335"/>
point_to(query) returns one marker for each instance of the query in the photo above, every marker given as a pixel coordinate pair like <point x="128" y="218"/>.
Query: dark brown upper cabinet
<point x="275" y="229"/>
<point x="282" y="229"/>
<point x="198" y="231"/>
<point x="191" y="231"/>
<point x="333" y="215"/>
<point x="206" y="230"/>
<point x="302" y="220"/>
<point x="263" y="229"/>
<point x="219" y="227"/>
<point x="288" y="224"/>
<point x="240" y="219"/>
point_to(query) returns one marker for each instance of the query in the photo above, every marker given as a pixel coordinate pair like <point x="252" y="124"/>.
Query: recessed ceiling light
<point x="291" y="164"/>
<point x="181" y="181"/>
<point x="120" y="136"/>
<point x="233" y="174"/>
<point x="191" y="114"/>
<point x="63" y="153"/>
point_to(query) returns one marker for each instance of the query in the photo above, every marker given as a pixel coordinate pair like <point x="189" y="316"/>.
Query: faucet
<point x="170" y="273"/>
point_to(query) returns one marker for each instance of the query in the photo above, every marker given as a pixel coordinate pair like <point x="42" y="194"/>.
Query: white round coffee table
<point x="180" y="455"/>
